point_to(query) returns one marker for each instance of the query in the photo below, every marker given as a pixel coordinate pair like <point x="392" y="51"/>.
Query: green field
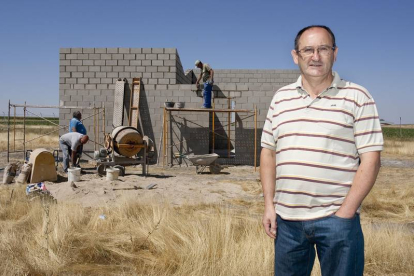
<point x="30" y="121"/>
<point x="397" y="133"/>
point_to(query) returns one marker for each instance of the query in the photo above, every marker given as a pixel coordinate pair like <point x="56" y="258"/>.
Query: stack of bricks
<point x="88" y="76"/>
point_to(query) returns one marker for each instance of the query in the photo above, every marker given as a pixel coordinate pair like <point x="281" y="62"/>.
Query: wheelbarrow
<point x="203" y="161"/>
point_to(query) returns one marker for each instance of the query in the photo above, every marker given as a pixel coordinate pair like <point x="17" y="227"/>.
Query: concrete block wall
<point x="88" y="76"/>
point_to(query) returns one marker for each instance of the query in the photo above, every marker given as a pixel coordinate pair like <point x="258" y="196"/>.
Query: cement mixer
<point x="125" y="146"/>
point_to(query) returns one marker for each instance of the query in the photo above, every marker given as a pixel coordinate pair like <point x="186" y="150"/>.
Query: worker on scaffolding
<point x="76" y="125"/>
<point x="69" y="144"/>
<point x="207" y="74"/>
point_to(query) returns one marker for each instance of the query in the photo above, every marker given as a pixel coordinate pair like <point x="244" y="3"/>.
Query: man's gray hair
<point x="76" y="114"/>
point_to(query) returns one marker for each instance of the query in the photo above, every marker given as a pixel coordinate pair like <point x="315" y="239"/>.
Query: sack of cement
<point x="24" y="173"/>
<point x="10" y="172"/>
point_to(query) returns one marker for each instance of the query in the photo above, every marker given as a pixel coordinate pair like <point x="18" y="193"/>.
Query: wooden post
<point x="94" y="127"/>
<point x="164" y="144"/>
<point x="228" y="127"/>
<point x="103" y="123"/>
<point x="24" y="132"/>
<point x="98" y="111"/>
<point x="255" y="137"/>
<point x="8" y="135"/>
<point x="213" y="126"/>
<point x="14" y="131"/>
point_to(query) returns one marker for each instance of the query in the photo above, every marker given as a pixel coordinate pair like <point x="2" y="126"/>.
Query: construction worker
<point x="76" y="125"/>
<point x="208" y="78"/>
<point x="69" y="144"/>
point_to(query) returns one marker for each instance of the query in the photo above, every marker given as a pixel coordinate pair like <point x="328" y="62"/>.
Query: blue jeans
<point x="207" y="95"/>
<point x="339" y="244"/>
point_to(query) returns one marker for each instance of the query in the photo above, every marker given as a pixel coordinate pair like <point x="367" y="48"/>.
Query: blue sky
<point x="375" y="40"/>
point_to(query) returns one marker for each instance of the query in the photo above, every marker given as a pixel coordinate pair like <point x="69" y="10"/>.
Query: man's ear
<point x="335" y="53"/>
<point x="295" y="56"/>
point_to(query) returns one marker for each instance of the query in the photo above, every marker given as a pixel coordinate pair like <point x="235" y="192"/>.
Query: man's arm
<point x="74" y="129"/>
<point x="363" y="182"/>
<point x="211" y="75"/>
<point x="268" y="178"/>
<point x="73" y="156"/>
<point x="198" y="80"/>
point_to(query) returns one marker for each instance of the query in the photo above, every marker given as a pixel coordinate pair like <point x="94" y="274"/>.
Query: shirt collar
<point x="335" y="83"/>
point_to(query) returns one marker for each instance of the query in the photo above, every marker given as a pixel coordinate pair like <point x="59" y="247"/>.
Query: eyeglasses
<point x="323" y="50"/>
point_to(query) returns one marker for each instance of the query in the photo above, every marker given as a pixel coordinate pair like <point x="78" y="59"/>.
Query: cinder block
<point x="76" y="98"/>
<point x="157" y="63"/>
<point x="89" y="74"/>
<point x="136" y="75"/>
<point x="90" y="86"/>
<point x="117" y="56"/>
<point x="64" y="62"/>
<point x="99" y="62"/>
<point x="146" y="62"/>
<point x="94" y="56"/>
<point x="88" y="98"/>
<point x="111" y="62"/>
<point x="101" y="74"/>
<point x="112" y="50"/>
<point x="129" y="56"/>
<point x="125" y="75"/>
<point x="170" y="50"/>
<point x="130" y="68"/>
<point x="100" y="98"/>
<point x="163" y="69"/>
<point x="146" y="50"/>
<point x="69" y="69"/>
<point x="163" y="81"/>
<point x="152" y="81"/>
<point x="112" y="75"/>
<point x="146" y="75"/>
<point x="140" y="56"/>
<point x="65" y="74"/>
<point x="94" y="68"/>
<point x="151" y="69"/>
<point x="102" y="86"/>
<point x="135" y="50"/>
<point x="157" y="75"/>
<point x="94" y="80"/>
<point x="76" y="50"/>
<point x="107" y="68"/>
<point x="88" y="50"/>
<point x="123" y="62"/>
<point x="161" y="87"/>
<point x="100" y="50"/>
<point x="163" y="56"/>
<point x="83" y="81"/>
<point x="71" y="56"/>
<point x="169" y="75"/>
<point x="173" y="69"/>
<point x="123" y="50"/>
<point x="108" y="80"/>
<point x="170" y="63"/>
<point x="87" y="62"/>
<point x="135" y="62"/>
<point x="64" y="50"/>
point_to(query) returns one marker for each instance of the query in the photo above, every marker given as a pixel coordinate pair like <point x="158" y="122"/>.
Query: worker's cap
<point x="197" y="62"/>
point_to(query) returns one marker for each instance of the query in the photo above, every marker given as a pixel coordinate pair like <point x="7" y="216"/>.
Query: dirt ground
<point x="176" y="185"/>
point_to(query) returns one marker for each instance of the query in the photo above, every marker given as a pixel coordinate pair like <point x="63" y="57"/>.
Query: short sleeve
<point x="268" y="141"/>
<point x="367" y="128"/>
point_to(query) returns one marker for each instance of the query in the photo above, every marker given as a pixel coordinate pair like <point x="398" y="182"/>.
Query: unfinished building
<point x="88" y="77"/>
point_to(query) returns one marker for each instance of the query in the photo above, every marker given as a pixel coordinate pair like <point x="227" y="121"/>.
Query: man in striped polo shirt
<point x="321" y="142"/>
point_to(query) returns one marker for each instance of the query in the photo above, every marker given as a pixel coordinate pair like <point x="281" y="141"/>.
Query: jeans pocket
<point x="344" y="219"/>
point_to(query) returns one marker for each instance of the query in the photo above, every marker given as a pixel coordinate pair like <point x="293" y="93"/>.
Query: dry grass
<point x="395" y="147"/>
<point x="32" y="132"/>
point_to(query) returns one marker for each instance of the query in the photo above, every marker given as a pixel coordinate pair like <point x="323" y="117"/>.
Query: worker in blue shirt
<point x="76" y="125"/>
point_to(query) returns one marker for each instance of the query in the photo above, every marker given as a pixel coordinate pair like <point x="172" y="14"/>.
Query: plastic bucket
<point x="74" y="174"/>
<point x="112" y="173"/>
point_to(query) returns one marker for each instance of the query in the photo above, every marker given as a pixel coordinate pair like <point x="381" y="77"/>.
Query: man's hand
<point x="269" y="222"/>
<point x="197" y="85"/>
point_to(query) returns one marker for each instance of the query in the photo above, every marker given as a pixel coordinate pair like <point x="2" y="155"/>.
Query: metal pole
<point x="24" y="132"/>
<point x="8" y="136"/>
<point x="14" y="130"/>
<point x="164" y="144"/>
<point x="228" y="127"/>
<point x="255" y="137"/>
<point x="214" y="106"/>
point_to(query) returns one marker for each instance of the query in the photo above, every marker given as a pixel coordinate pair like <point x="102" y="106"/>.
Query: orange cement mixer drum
<point x="126" y="135"/>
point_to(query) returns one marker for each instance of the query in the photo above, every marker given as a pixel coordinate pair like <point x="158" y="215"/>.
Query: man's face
<point x="318" y="64"/>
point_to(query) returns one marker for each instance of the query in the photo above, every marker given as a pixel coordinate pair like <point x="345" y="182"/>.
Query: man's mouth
<point x="315" y="65"/>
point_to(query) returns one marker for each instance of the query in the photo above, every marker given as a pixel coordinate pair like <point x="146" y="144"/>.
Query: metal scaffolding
<point x="168" y="113"/>
<point x="96" y="120"/>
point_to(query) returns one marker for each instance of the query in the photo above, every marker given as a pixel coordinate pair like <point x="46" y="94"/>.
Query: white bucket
<point x="112" y="173"/>
<point x="74" y="174"/>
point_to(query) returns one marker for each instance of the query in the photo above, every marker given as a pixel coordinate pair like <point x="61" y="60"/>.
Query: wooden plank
<point x="134" y="103"/>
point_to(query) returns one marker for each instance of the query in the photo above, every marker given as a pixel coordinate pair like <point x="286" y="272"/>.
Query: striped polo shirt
<point x="318" y="143"/>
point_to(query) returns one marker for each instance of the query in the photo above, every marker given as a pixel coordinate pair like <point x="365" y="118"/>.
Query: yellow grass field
<point x="39" y="237"/>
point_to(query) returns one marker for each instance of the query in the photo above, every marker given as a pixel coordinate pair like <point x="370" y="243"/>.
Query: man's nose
<point x="315" y="55"/>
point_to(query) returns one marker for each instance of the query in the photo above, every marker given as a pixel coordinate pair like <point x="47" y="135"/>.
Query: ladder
<point x="134" y="103"/>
